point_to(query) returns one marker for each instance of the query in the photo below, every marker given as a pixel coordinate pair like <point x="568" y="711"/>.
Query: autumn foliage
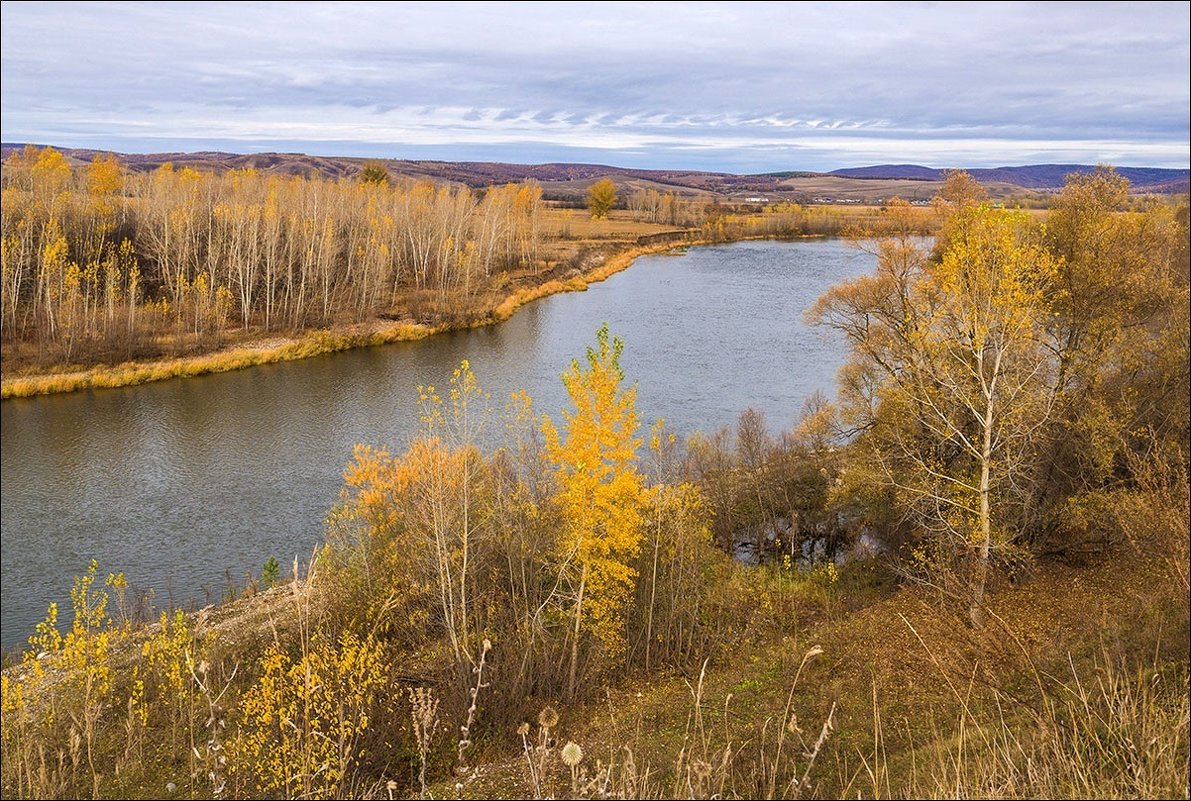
<point x="601" y="493"/>
<point x="977" y="365"/>
<point x="1015" y="389"/>
<point x="601" y="197"/>
<point x="98" y="263"/>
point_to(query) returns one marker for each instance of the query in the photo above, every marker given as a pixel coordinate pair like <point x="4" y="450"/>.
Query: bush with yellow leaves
<point x="53" y="705"/>
<point x="301" y="723"/>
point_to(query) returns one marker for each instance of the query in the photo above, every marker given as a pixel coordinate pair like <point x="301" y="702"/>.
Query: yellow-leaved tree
<point x="104" y="176"/>
<point x="601" y="494"/>
<point x="601" y="197"/>
<point x="951" y="378"/>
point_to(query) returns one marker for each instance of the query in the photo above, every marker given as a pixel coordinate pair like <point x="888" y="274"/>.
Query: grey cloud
<point x="734" y="73"/>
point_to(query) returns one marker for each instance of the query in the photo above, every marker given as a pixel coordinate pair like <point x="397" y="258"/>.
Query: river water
<point x="181" y="482"/>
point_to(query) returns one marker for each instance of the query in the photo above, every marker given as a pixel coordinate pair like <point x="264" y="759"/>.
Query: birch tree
<point x="950" y="377"/>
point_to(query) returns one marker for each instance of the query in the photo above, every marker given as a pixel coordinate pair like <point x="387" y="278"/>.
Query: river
<point x="182" y="482"/>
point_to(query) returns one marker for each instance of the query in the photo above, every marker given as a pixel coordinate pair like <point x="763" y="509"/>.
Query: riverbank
<point x="270" y="349"/>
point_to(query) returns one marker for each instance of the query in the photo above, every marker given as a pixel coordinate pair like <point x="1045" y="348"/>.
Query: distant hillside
<point x="1034" y="176"/>
<point x="569" y="182"/>
<point x="470" y="173"/>
<point x="887" y="172"/>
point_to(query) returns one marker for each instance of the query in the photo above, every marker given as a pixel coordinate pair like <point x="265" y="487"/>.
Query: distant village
<point x="825" y="200"/>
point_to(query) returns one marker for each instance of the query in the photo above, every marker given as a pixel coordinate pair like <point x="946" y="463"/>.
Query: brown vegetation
<point x="557" y="614"/>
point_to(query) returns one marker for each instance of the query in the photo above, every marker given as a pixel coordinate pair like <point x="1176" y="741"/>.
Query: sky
<point x="737" y="87"/>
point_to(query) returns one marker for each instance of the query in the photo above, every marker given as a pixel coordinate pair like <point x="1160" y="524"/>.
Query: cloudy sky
<point x="734" y="86"/>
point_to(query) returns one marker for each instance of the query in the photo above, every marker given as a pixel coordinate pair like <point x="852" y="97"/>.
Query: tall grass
<point x="714" y="759"/>
<point x="185" y="708"/>
<point x="1114" y="732"/>
<point x="1110" y="731"/>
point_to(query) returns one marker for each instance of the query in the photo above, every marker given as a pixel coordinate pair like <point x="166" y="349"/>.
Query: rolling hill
<point x="568" y="182"/>
<point x="1034" y="176"/>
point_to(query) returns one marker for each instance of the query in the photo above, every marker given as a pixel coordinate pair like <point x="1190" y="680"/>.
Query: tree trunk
<point x="980" y="580"/>
<point x="653" y="588"/>
<point x="575" y="641"/>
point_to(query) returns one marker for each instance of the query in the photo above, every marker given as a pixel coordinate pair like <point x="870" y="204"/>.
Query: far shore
<point x="270" y="348"/>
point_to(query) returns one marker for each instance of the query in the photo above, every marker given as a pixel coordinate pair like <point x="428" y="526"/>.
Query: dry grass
<point x="1112" y="732"/>
<point x="1070" y="693"/>
<point x="712" y="762"/>
<point x="875" y="190"/>
<point x="132" y="373"/>
<point x="1078" y="689"/>
<point x="506" y="307"/>
<point x="578" y="224"/>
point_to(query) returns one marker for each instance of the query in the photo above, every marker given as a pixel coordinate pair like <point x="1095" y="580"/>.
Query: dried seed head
<point x="523" y="729"/>
<point x="572" y="754"/>
<point x="548" y="718"/>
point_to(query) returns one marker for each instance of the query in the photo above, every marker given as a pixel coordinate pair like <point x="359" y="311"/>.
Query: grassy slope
<point x="894" y="647"/>
<point x="899" y="674"/>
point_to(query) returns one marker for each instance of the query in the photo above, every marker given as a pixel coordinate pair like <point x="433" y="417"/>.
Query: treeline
<point x="718" y="221"/>
<point x="97" y="259"/>
<point x="667" y="208"/>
